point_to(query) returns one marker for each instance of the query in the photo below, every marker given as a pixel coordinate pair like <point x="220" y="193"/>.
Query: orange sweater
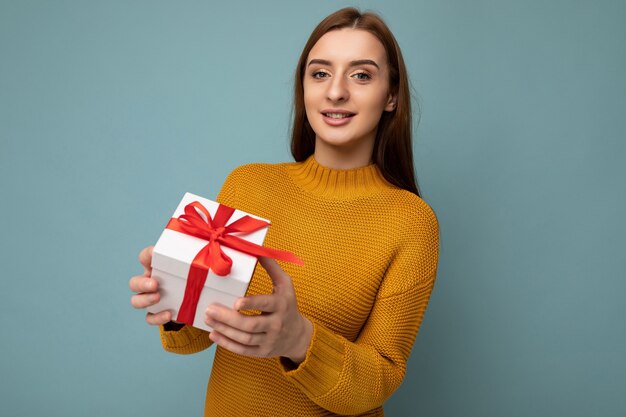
<point x="370" y="251"/>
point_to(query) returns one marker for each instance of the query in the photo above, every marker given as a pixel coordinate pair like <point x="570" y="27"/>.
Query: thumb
<point x="280" y="279"/>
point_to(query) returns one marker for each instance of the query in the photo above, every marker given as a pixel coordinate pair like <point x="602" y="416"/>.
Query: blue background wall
<point x="109" y="111"/>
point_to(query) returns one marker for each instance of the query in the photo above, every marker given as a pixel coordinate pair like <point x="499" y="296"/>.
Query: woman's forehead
<point x="348" y="45"/>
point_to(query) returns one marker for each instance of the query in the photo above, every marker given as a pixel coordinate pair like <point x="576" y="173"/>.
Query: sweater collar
<point x="338" y="183"/>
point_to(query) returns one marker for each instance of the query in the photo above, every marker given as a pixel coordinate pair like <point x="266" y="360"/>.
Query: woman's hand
<point x="280" y="331"/>
<point x="147" y="290"/>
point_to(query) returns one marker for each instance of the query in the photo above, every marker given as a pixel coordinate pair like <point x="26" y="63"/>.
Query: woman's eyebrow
<point x="352" y="63"/>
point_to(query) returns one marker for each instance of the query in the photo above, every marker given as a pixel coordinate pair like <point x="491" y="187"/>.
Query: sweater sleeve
<point x="190" y="339"/>
<point x="347" y="377"/>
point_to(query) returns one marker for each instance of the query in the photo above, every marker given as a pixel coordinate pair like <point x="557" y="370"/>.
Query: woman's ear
<point x="391" y="103"/>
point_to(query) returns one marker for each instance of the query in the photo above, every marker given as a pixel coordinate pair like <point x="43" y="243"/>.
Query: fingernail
<point x="209" y="311"/>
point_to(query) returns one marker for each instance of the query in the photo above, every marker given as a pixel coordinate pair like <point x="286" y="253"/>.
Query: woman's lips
<point x="335" y="121"/>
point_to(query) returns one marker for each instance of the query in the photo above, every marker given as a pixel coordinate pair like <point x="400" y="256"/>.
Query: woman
<point x="334" y="336"/>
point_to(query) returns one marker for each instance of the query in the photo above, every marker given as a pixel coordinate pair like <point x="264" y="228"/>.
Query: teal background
<point x="109" y="111"/>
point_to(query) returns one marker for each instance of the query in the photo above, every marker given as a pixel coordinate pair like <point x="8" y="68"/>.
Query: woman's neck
<point x="343" y="157"/>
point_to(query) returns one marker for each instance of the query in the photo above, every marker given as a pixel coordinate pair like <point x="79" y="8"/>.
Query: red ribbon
<point x="211" y="256"/>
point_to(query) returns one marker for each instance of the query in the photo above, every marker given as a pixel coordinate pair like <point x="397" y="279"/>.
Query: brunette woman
<point x="334" y="336"/>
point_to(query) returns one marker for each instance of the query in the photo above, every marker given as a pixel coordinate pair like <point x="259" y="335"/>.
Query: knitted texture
<point x="370" y="251"/>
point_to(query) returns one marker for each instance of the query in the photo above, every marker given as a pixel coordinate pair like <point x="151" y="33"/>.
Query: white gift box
<point x="172" y="257"/>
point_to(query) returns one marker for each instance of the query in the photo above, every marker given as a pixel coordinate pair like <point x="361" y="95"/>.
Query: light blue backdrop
<point x="109" y="111"/>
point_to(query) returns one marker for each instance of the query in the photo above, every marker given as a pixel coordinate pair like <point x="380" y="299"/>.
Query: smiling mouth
<point x="338" y="115"/>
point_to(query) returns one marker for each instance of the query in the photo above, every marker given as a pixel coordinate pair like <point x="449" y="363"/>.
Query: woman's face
<point x="346" y="89"/>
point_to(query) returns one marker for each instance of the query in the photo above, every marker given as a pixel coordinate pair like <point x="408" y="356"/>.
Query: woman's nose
<point x="338" y="89"/>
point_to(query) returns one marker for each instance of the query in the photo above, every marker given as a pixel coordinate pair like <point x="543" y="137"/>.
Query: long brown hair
<point x="393" y="151"/>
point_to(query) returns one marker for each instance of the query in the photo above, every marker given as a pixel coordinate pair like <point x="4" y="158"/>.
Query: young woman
<point x="333" y="336"/>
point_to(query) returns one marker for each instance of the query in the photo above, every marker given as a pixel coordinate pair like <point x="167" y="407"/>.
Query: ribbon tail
<point x="246" y="224"/>
<point x="253" y="249"/>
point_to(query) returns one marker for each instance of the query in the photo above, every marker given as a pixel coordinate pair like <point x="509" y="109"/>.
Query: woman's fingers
<point x="217" y="313"/>
<point x="264" y="302"/>
<point x="142" y="283"/>
<point x="281" y="331"/>
<point x="146" y="289"/>
<point x="280" y="279"/>
<point x="144" y="300"/>
<point x="235" y="334"/>
<point x="145" y="257"/>
<point x="235" y="347"/>
<point x="157" y="319"/>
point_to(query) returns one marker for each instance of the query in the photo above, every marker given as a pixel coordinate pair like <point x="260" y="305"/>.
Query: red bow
<point x="211" y="256"/>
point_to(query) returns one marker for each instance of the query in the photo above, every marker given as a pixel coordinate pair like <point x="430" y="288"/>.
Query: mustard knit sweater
<point x="370" y="252"/>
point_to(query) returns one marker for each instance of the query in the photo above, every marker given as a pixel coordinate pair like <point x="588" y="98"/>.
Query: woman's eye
<point x="362" y="76"/>
<point x="319" y="74"/>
